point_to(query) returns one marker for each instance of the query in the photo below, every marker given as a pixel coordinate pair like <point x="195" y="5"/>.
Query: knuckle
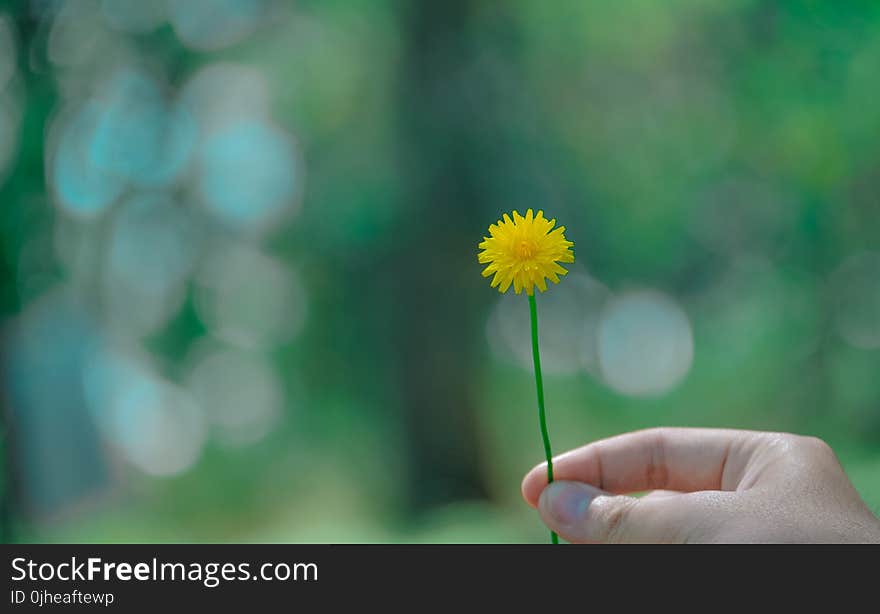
<point x="781" y="444"/>
<point x="814" y="444"/>
<point x="818" y="450"/>
<point x="802" y="450"/>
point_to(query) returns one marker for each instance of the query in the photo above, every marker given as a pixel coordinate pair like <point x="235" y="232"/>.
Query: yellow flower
<point x="525" y="252"/>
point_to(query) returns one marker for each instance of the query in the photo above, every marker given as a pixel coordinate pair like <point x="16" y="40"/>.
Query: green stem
<point x="539" y="384"/>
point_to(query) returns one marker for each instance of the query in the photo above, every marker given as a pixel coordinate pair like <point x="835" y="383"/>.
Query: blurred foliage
<point x="726" y="154"/>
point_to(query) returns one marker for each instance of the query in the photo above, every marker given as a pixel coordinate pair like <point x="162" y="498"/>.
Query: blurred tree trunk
<point x="436" y="283"/>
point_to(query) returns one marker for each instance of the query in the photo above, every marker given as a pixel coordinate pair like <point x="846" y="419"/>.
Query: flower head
<point x="525" y="252"/>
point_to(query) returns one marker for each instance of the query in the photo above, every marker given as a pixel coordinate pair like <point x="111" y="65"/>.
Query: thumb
<point x="581" y="513"/>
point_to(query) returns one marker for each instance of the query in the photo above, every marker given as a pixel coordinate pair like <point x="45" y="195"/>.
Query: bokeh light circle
<point x="80" y="187"/>
<point x="241" y="393"/>
<point x="46" y="345"/>
<point x="568" y="315"/>
<point x="645" y="344"/>
<point x="78" y="39"/>
<point x="151" y="251"/>
<point x="222" y="92"/>
<point x="134" y="16"/>
<point x="156" y="425"/>
<point x="208" y="25"/>
<point x="10" y="99"/>
<point x="250" y="176"/>
<point x="139" y="135"/>
<point x="248" y="298"/>
<point x="8" y="51"/>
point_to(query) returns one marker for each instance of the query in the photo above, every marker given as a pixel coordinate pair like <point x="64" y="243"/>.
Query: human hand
<point x="710" y="485"/>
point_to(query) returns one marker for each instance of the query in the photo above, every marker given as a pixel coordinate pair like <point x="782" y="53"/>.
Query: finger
<point x="656" y="494"/>
<point x="681" y="459"/>
<point x="580" y="513"/>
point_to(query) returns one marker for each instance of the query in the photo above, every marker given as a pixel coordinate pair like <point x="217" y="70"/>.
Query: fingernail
<point x="567" y="502"/>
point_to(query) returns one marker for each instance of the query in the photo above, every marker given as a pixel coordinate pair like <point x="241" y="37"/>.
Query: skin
<point x="709" y="486"/>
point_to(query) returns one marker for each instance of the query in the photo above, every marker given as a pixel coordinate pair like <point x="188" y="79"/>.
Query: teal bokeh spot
<point x="139" y="135"/>
<point x="212" y="24"/>
<point x="249" y="174"/>
<point x="82" y="188"/>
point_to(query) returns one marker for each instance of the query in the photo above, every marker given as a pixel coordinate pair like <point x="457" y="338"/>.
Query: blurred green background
<point x="239" y="277"/>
